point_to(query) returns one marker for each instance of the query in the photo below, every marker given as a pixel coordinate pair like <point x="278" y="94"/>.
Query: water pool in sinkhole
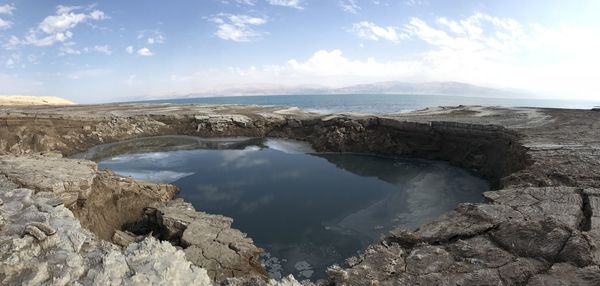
<point x="307" y="210"/>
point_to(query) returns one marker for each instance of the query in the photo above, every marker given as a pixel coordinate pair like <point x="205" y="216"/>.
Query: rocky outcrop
<point x="107" y="207"/>
<point x="70" y="180"/>
<point x="208" y="240"/>
<point x="539" y="227"/>
<point x="42" y="243"/>
<point x="101" y="200"/>
<point x="517" y="237"/>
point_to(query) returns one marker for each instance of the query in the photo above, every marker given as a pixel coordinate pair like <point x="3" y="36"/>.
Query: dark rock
<point x="519" y="271"/>
<point x="123" y="238"/>
<point x="567" y="274"/>
<point x="481" y="252"/>
<point x="378" y="263"/>
<point x="428" y="259"/>
<point x="208" y="241"/>
<point x="577" y="250"/>
<point x="537" y="239"/>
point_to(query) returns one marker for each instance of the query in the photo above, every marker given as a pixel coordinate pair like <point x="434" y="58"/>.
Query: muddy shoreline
<point x="540" y="225"/>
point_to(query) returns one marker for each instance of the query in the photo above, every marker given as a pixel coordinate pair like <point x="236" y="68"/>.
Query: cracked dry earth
<point x="62" y="221"/>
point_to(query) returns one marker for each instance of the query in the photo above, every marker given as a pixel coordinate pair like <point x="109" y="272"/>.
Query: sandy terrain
<point x="33" y="100"/>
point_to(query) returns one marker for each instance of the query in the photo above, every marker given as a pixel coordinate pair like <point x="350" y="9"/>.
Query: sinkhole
<point x="307" y="210"/>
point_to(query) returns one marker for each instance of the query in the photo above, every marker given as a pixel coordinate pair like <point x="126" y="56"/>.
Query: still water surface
<point x="307" y="210"/>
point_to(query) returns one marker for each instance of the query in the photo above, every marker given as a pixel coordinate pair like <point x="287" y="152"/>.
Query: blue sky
<point x="118" y="50"/>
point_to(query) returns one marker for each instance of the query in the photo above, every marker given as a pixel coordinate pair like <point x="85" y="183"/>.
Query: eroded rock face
<point x="567" y="274"/>
<point x="69" y="179"/>
<point x="68" y="254"/>
<point x="120" y="201"/>
<point x="208" y="240"/>
<point x="101" y="200"/>
<point x="97" y="205"/>
<point x="490" y="150"/>
<point x="512" y="241"/>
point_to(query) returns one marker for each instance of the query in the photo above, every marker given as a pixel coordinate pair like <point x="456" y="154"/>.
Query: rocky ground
<point x="62" y="221"/>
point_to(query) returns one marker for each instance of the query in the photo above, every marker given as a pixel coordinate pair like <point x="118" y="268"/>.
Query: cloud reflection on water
<point x="317" y="208"/>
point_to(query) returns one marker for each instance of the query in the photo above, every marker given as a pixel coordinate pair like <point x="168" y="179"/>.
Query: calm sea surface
<point x="379" y="103"/>
<point x="307" y="210"/>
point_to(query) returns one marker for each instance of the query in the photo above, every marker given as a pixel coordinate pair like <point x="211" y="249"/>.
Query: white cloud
<point x="10" y="63"/>
<point x="12" y="43"/>
<point x="144" y="52"/>
<point x="246" y="2"/>
<point x="369" y="30"/>
<point x="61" y="9"/>
<point x="287" y="3"/>
<point x="61" y="23"/>
<point x="478" y="49"/>
<point x="413" y="3"/>
<point x="5" y="24"/>
<point x="477" y="38"/>
<point x="12" y="60"/>
<point x="349" y="6"/>
<point x="157" y="39"/>
<point x="105" y="49"/>
<point x="98" y="15"/>
<point x="502" y="52"/>
<point x="151" y="37"/>
<point x="6" y="9"/>
<point x="242" y="2"/>
<point x="132" y="80"/>
<point x="129" y="50"/>
<point x="324" y="67"/>
<point x="68" y="49"/>
<point x="238" y="28"/>
<point x="56" y="28"/>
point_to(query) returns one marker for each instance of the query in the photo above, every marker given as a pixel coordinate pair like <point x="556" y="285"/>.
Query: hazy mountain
<point x="390" y="87"/>
<point x="258" y="89"/>
<point x="438" y="88"/>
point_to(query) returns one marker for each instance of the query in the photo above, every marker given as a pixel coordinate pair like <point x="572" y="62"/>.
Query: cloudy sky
<point x="115" y="50"/>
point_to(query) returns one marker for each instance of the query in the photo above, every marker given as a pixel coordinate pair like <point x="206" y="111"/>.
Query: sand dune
<point x="33" y="100"/>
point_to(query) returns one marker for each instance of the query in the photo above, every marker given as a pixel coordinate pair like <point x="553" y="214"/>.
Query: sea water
<point x="379" y="103"/>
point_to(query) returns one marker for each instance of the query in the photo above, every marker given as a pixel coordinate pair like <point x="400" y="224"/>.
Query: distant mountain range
<point x="437" y="88"/>
<point x="389" y="87"/>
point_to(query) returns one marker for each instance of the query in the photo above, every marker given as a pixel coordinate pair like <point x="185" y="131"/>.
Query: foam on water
<point x="156" y="176"/>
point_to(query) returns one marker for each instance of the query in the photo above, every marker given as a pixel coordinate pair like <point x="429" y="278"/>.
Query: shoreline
<point x="540" y="223"/>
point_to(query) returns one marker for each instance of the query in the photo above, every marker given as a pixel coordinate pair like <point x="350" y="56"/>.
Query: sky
<point x="122" y="50"/>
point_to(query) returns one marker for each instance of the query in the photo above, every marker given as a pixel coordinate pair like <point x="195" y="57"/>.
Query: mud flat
<point x="64" y="221"/>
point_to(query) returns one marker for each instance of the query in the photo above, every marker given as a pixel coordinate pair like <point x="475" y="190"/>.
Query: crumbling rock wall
<point x="208" y="240"/>
<point x="492" y="151"/>
<point x="105" y="204"/>
<point x="116" y="201"/>
<point x="42" y="243"/>
<point x="511" y="241"/>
